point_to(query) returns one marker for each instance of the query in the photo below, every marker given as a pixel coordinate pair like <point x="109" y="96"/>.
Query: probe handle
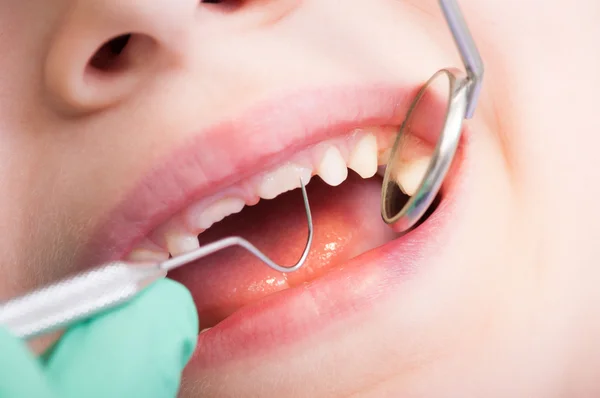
<point x="73" y="299"/>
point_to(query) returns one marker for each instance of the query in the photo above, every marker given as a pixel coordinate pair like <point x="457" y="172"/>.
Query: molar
<point x="283" y="179"/>
<point x="363" y="159"/>
<point x="332" y="168"/>
<point x="411" y="174"/>
<point x="146" y="250"/>
<point x="181" y="242"/>
<point x="175" y="237"/>
<point x="140" y="254"/>
<point x="200" y="217"/>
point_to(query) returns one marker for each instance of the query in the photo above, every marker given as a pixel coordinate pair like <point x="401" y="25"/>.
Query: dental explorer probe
<point x="70" y="300"/>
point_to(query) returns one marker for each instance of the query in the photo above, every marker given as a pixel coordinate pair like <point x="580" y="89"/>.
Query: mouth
<point x="241" y="178"/>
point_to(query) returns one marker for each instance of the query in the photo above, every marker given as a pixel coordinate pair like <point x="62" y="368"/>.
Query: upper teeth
<point x="202" y="217"/>
<point x="362" y="151"/>
<point x="364" y="159"/>
<point x="333" y="169"/>
<point x="411" y="174"/>
<point x="282" y="179"/>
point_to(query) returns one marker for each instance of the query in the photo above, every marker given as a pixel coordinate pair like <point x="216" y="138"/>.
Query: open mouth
<point x="338" y="140"/>
<point x="266" y="210"/>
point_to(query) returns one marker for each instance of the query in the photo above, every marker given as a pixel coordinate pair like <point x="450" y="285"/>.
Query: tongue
<point x="346" y="222"/>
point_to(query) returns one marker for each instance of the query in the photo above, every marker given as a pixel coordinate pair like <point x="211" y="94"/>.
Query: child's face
<point x="495" y="295"/>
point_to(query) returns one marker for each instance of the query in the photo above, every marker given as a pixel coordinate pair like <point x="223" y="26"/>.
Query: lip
<point x="189" y="173"/>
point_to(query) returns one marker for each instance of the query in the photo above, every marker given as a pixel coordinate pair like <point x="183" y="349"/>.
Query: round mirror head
<point x="423" y="150"/>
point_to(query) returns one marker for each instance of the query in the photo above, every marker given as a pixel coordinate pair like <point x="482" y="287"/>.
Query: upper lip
<point x="237" y="148"/>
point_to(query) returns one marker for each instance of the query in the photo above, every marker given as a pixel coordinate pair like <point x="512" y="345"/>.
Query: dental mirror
<point x="427" y="141"/>
<point x="424" y="149"/>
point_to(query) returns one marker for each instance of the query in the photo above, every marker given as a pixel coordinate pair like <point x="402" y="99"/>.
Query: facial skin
<point x="510" y="310"/>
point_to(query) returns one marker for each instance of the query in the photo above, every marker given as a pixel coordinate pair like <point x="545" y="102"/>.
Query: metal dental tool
<point x="439" y="108"/>
<point x="77" y="298"/>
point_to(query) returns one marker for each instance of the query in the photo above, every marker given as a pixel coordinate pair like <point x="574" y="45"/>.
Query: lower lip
<point x="290" y="316"/>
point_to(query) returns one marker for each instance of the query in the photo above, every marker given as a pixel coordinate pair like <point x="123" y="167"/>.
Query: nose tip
<point x="103" y="50"/>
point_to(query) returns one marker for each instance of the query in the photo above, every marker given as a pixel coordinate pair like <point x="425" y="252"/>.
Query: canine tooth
<point x="411" y="174"/>
<point x="363" y="159"/>
<point x="180" y="242"/>
<point x="283" y="179"/>
<point x="332" y="168"/>
<point x="147" y="255"/>
<point x="203" y="217"/>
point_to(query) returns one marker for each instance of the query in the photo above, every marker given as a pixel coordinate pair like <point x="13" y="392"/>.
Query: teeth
<point x="201" y="218"/>
<point x="146" y="250"/>
<point x="363" y="159"/>
<point x="176" y="238"/>
<point x="360" y="149"/>
<point x="180" y="243"/>
<point x="147" y="255"/>
<point x="205" y="330"/>
<point x="285" y="178"/>
<point x="411" y="174"/>
<point x="333" y="168"/>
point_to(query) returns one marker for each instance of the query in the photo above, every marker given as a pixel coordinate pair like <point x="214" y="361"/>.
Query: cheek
<point x="17" y="187"/>
<point x="9" y="264"/>
<point x="57" y="187"/>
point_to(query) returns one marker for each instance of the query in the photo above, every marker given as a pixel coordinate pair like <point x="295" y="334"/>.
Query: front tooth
<point x="147" y="255"/>
<point x="181" y="242"/>
<point x="411" y="174"/>
<point x="200" y="217"/>
<point x="175" y="237"/>
<point x="332" y="168"/>
<point x="363" y="159"/>
<point x="283" y="179"/>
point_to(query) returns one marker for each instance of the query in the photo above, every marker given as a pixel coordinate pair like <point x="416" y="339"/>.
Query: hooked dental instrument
<point x="461" y="91"/>
<point x="70" y="300"/>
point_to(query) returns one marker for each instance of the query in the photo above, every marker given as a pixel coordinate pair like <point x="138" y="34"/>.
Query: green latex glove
<point x="138" y="350"/>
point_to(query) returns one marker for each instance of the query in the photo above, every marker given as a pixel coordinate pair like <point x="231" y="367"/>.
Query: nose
<point x="103" y="50"/>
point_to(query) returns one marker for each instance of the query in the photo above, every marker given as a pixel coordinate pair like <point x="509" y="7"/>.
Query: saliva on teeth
<point x="362" y="151"/>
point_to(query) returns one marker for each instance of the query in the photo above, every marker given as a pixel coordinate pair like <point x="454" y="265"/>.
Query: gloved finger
<point x="21" y="374"/>
<point x="138" y="350"/>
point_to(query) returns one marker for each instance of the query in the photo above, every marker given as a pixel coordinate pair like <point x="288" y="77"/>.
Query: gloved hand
<point x="138" y="350"/>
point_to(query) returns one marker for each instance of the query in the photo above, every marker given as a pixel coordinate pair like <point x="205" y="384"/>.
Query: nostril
<point x="103" y="53"/>
<point x="225" y="5"/>
<point x="109" y="57"/>
<point x="123" y="54"/>
<point x="82" y="77"/>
